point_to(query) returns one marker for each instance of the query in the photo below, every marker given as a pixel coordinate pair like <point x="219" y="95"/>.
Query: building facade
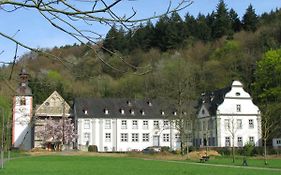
<point x="228" y="117"/>
<point x="124" y="125"/>
<point x="22" y="114"/>
<point x="54" y="107"/>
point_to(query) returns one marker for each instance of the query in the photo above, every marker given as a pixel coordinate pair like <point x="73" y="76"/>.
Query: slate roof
<point x="96" y="107"/>
<point x="211" y="100"/>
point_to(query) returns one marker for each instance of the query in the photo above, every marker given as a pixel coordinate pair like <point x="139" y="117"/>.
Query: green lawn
<point x="84" y="165"/>
<point x="252" y="161"/>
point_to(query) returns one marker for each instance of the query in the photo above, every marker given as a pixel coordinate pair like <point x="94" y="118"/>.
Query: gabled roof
<point x="143" y="109"/>
<point x="211" y="100"/>
<point x="54" y="105"/>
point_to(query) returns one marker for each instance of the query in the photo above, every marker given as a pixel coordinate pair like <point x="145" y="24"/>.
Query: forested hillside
<point x="158" y="60"/>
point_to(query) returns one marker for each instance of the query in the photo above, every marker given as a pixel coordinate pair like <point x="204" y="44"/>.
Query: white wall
<point x="98" y="130"/>
<point x="21" y="134"/>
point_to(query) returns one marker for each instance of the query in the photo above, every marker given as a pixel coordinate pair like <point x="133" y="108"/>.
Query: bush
<point x="248" y="149"/>
<point x="165" y="149"/>
<point x="192" y="148"/>
<point x="92" y="148"/>
<point x="224" y="151"/>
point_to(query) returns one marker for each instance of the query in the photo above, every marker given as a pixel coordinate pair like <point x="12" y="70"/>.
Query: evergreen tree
<point x="235" y="21"/>
<point x="222" y="23"/>
<point x="115" y="40"/>
<point x="175" y="31"/>
<point x="250" y="19"/>
<point x="160" y="37"/>
<point x="203" y="31"/>
<point x="189" y="26"/>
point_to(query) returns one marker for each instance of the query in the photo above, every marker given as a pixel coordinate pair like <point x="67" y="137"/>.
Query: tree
<point x="57" y="132"/>
<point x="231" y="128"/>
<point x="222" y="23"/>
<point x="250" y="19"/>
<point x="235" y="21"/>
<point x="178" y="85"/>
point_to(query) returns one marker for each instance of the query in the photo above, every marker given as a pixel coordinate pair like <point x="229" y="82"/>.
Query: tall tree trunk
<point x="265" y="151"/>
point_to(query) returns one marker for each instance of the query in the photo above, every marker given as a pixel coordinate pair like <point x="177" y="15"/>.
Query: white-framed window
<point x="251" y="140"/>
<point x="135" y="137"/>
<point x="123" y="124"/>
<point x="251" y="123"/>
<point x="238" y="108"/>
<point x="240" y="141"/>
<point x="142" y="112"/>
<point x="86" y="124"/>
<point x="166" y="123"/>
<point x="132" y="112"/>
<point x="166" y="137"/>
<point x="177" y="137"/>
<point x="145" y="137"/>
<point x="227" y="141"/>
<point x="189" y="137"/>
<point x="135" y="124"/>
<point x="122" y="111"/>
<point x="86" y="136"/>
<point x="106" y="112"/>
<point x="156" y="124"/>
<point x="108" y="137"/>
<point x="278" y="142"/>
<point x="226" y="124"/>
<point x="124" y="137"/>
<point x="145" y="124"/>
<point x="239" y="123"/>
<point x="107" y="124"/>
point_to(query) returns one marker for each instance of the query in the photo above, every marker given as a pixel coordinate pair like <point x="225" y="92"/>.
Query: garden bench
<point x="204" y="159"/>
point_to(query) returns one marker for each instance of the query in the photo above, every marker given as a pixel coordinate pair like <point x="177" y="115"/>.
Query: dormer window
<point x="174" y="113"/>
<point x="85" y="111"/>
<point x="132" y="112"/>
<point x="149" y="103"/>
<point x="142" y="112"/>
<point x="129" y="103"/>
<point x="122" y="111"/>
<point x="237" y="94"/>
<point x="162" y="113"/>
<point x="106" y="111"/>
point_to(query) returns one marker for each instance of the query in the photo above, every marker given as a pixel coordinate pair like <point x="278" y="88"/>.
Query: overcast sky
<point x="37" y="33"/>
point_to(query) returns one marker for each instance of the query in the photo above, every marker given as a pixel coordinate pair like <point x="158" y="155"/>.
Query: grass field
<point x="96" y="165"/>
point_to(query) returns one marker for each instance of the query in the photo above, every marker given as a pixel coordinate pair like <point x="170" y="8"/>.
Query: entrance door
<point x="156" y="141"/>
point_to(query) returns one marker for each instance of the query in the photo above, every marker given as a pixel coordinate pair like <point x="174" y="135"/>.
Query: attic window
<point x="106" y="111"/>
<point x="47" y="104"/>
<point x="237" y="93"/>
<point x="149" y="103"/>
<point x="203" y="111"/>
<point x="175" y="113"/>
<point x="142" y="112"/>
<point x="129" y="103"/>
<point x="85" y="111"/>
<point x="122" y="111"/>
<point x="132" y="112"/>
<point x="162" y="113"/>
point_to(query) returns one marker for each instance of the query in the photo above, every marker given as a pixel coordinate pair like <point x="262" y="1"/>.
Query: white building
<point x="123" y="125"/>
<point x="22" y="114"/>
<point x="226" y="117"/>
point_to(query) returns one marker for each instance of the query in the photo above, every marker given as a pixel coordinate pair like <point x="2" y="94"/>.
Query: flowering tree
<point x="57" y="132"/>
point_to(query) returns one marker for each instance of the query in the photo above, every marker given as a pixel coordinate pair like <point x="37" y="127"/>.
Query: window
<point x="251" y="123"/>
<point x="156" y="124"/>
<point x="86" y="124"/>
<point x="86" y="136"/>
<point x="107" y="137"/>
<point x="226" y="124"/>
<point x="122" y="111"/>
<point x="166" y="123"/>
<point x="124" y="124"/>
<point x="22" y="101"/>
<point x="162" y="113"/>
<point x="145" y="124"/>
<point x="166" y="137"/>
<point x="106" y="112"/>
<point x="132" y="112"/>
<point x="239" y="123"/>
<point x="189" y="137"/>
<point x="177" y="137"/>
<point x="107" y="124"/>
<point x="145" y="137"/>
<point x="227" y="141"/>
<point x="135" y="137"/>
<point x="124" y="137"/>
<point x="142" y="112"/>
<point x="135" y="124"/>
<point x="240" y="141"/>
<point x="238" y="108"/>
<point x="252" y="140"/>
<point x="278" y="142"/>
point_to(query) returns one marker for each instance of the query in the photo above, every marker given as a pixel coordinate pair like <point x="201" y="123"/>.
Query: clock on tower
<point x="22" y="114"/>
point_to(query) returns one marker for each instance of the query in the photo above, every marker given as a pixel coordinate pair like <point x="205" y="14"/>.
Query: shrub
<point x="224" y="151"/>
<point x="92" y="148"/>
<point x="165" y="149"/>
<point x="248" y="149"/>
